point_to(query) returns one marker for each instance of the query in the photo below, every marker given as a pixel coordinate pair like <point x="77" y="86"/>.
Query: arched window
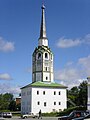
<point x="46" y="68"/>
<point x="39" y="55"/>
<point x="46" y="55"/>
<point x="46" y="78"/>
<point x="51" y="56"/>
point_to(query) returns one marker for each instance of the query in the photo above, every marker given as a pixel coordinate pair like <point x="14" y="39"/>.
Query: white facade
<point x="43" y="42"/>
<point x="42" y="65"/>
<point x="88" y="104"/>
<point x="46" y="99"/>
<point x="26" y="100"/>
<point x="43" y="93"/>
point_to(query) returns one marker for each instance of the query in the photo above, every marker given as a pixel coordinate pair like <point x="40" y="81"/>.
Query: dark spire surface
<point x="43" y="26"/>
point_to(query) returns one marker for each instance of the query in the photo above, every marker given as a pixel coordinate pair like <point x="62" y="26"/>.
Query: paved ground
<point x="43" y="118"/>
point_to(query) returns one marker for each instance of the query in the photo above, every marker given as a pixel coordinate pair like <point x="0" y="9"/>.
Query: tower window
<point x="44" y="103"/>
<point x="59" y="93"/>
<point x="46" y="55"/>
<point x="38" y="103"/>
<point x="46" y="68"/>
<point x="46" y="78"/>
<point x="51" y="56"/>
<point x="43" y="92"/>
<point x="37" y="92"/>
<point x="54" y="92"/>
<point x="39" y="55"/>
<point x="54" y="103"/>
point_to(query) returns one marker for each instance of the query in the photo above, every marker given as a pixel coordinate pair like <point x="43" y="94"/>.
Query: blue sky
<point x="68" y="32"/>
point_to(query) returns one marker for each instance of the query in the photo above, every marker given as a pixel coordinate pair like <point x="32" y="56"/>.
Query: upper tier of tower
<point x="43" y="41"/>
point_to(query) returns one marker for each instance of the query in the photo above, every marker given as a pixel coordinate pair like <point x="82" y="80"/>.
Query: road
<point x="43" y="118"/>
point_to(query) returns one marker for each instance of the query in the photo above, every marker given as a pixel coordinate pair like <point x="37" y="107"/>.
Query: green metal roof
<point x="45" y="84"/>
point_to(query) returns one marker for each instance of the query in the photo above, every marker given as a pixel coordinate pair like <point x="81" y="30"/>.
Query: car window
<point x="78" y="114"/>
<point x="71" y="114"/>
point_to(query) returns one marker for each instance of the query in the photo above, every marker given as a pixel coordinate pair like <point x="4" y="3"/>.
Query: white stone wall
<point x="33" y="102"/>
<point x="52" y="77"/>
<point x="53" y="102"/>
<point x="26" y="97"/>
<point x="46" y="77"/>
<point x="43" y="42"/>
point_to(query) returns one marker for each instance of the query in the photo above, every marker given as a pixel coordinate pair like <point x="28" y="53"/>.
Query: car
<point x="7" y="114"/>
<point x="0" y="114"/>
<point x="72" y="115"/>
<point x="32" y="115"/>
<point x="87" y="117"/>
<point x="1" y="118"/>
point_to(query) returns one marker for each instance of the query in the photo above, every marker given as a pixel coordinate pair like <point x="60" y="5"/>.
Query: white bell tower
<point x="42" y="58"/>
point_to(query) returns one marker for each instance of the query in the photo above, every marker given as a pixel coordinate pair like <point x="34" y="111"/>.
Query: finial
<point x="43" y="6"/>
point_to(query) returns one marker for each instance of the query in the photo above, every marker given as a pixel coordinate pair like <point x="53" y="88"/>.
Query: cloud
<point x="6" y="46"/>
<point x="85" y="63"/>
<point x="87" y="39"/>
<point x="8" y="88"/>
<point x="69" y="77"/>
<point x="67" y="43"/>
<point x="74" y="73"/>
<point x="5" y="76"/>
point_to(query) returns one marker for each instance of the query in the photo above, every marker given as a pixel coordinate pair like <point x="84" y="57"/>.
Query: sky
<point x="68" y="33"/>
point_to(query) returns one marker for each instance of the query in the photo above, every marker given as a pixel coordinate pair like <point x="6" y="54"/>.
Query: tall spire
<point x="43" y="38"/>
<point x="43" y="27"/>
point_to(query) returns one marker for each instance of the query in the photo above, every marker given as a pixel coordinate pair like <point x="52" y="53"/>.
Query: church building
<point x="43" y="93"/>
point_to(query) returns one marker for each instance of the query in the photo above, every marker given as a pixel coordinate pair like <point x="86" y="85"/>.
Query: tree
<point x="5" y="100"/>
<point x="72" y="96"/>
<point x="78" y="95"/>
<point x="83" y="93"/>
<point x="8" y="97"/>
<point x="12" y="105"/>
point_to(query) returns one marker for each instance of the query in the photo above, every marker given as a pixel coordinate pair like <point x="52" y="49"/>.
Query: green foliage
<point x="69" y="110"/>
<point x="78" y="95"/>
<point x="12" y="105"/>
<point x="7" y="102"/>
<point x="83" y="93"/>
<point x="63" y="113"/>
<point x="18" y="107"/>
<point x="51" y="114"/>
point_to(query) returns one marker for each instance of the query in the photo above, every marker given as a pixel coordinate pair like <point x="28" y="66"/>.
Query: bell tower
<point x="42" y="58"/>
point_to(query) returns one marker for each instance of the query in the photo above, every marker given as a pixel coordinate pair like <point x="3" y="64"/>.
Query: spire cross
<point x="43" y="6"/>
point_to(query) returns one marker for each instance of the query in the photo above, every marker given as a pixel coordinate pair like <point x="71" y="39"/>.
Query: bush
<point x="62" y="113"/>
<point x="67" y="111"/>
